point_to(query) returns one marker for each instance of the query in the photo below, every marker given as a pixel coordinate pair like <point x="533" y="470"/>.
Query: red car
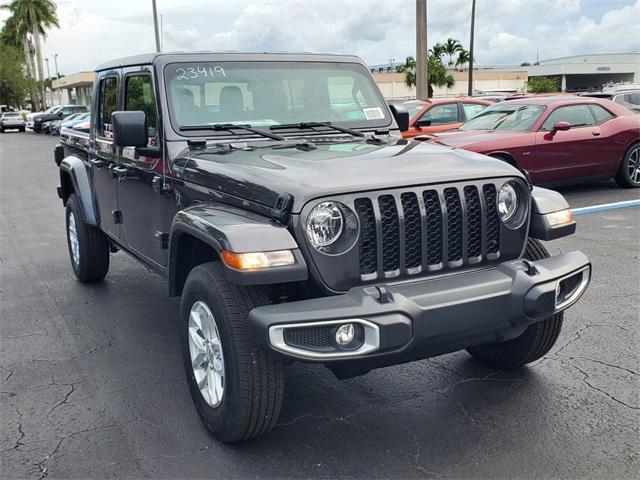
<point x="438" y="115"/>
<point x="557" y="139"/>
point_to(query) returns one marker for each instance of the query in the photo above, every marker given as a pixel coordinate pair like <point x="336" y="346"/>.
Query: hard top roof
<point x="168" y="57"/>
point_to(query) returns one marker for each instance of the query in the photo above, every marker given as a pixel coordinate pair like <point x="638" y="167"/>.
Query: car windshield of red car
<point x="514" y="118"/>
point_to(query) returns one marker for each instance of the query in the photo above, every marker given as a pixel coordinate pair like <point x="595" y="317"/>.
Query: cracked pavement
<point x="91" y="381"/>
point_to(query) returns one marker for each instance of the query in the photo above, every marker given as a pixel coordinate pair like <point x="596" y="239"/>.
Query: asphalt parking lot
<point x="92" y="382"/>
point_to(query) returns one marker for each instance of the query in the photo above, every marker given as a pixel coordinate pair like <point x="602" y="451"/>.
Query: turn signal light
<point x="258" y="260"/>
<point x="561" y="217"/>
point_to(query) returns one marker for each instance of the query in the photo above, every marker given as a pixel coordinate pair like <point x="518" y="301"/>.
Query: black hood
<point x="263" y="174"/>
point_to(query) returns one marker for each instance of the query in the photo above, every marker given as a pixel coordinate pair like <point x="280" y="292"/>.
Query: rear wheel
<point x="533" y="343"/>
<point x="628" y="175"/>
<point x="235" y="384"/>
<point x="88" y="246"/>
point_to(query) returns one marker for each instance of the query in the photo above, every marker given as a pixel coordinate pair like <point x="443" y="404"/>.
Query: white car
<point x="11" y="121"/>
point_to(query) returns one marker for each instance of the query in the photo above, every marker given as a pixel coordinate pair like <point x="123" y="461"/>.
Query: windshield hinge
<point x="196" y="144"/>
<point x="281" y="211"/>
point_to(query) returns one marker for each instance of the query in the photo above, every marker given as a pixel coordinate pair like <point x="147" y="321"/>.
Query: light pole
<point x="48" y="75"/>
<point x="471" y="52"/>
<point x="422" y="73"/>
<point x="55" y="59"/>
<point x="155" y="25"/>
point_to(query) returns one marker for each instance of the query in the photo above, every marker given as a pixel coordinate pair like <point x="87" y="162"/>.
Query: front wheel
<point x="88" y="246"/>
<point x="533" y="343"/>
<point x="235" y="384"/>
<point x="628" y="175"/>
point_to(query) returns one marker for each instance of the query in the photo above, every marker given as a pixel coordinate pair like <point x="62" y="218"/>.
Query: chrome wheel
<point x="73" y="239"/>
<point x="633" y="165"/>
<point x="205" y="348"/>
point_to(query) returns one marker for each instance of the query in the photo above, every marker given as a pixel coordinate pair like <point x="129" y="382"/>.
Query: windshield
<point x="10" y="114"/>
<point x="413" y="108"/>
<point x="515" y="118"/>
<point x="263" y="94"/>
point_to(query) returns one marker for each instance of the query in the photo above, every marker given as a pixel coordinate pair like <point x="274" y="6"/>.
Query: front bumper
<point x="402" y="322"/>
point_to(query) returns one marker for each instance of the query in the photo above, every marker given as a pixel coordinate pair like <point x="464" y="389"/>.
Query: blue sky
<point x="507" y="31"/>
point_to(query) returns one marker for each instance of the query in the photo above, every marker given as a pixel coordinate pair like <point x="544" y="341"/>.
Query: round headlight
<point x="324" y="224"/>
<point x="507" y="202"/>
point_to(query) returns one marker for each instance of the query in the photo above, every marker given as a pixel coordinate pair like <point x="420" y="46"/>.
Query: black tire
<point x="93" y="246"/>
<point x="533" y="343"/>
<point x="22" y="129"/>
<point x="253" y="378"/>
<point x="1" y="130"/>
<point x="630" y="161"/>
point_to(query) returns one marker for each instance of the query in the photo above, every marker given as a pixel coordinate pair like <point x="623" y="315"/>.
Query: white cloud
<point x="507" y="31"/>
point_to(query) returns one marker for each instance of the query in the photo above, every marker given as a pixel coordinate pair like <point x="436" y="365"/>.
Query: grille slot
<point x="454" y="224"/>
<point x="313" y="338"/>
<point x="491" y="218"/>
<point x="390" y="233"/>
<point x="474" y="221"/>
<point x="434" y="227"/>
<point x="368" y="243"/>
<point x="413" y="231"/>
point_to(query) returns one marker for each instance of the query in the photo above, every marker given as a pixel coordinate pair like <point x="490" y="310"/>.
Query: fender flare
<point x="224" y="227"/>
<point x="72" y="167"/>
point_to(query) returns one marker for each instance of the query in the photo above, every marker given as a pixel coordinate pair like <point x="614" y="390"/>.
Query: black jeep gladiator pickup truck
<point x="276" y="195"/>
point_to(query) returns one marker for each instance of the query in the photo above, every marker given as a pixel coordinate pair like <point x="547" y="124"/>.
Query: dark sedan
<point x="64" y="112"/>
<point x="557" y="139"/>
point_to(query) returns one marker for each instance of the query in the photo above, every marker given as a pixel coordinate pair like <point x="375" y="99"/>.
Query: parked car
<point x="63" y="112"/>
<point x="45" y="126"/>
<point x="297" y="230"/>
<point x="626" y="98"/>
<point x="557" y="139"/>
<point x="11" y="121"/>
<point x="48" y="111"/>
<point x="56" y="125"/>
<point x="439" y="115"/>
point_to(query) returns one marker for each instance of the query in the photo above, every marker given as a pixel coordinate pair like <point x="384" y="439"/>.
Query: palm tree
<point x="451" y="47"/>
<point x="437" y="50"/>
<point x="438" y="75"/>
<point x="409" y="70"/>
<point x="463" y="58"/>
<point x="35" y="17"/>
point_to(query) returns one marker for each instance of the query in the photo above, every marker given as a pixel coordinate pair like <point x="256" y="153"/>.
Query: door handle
<point x="96" y="162"/>
<point x="595" y="133"/>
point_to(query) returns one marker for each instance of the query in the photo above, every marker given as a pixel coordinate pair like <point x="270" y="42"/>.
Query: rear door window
<point x="574" y="115"/>
<point x="472" y="109"/>
<point x="601" y="114"/>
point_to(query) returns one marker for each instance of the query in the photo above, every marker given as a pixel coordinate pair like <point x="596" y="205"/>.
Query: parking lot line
<point x="606" y="206"/>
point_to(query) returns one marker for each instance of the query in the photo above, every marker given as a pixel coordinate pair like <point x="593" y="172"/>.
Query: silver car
<point x="11" y="121"/>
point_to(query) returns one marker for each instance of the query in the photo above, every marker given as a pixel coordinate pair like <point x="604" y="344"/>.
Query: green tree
<point x="525" y="64"/>
<point x="16" y="34"/>
<point x="463" y="59"/>
<point x="33" y="18"/>
<point x="438" y="50"/>
<point x="451" y="47"/>
<point x="438" y="74"/>
<point x="14" y="81"/>
<point x="542" y="85"/>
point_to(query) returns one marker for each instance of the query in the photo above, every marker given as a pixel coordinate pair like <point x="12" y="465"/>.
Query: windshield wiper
<point x="311" y="125"/>
<point x="230" y="127"/>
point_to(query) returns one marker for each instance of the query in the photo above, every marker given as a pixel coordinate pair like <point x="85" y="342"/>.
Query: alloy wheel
<point x="633" y="165"/>
<point x="73" y="239"/>
<point x="207" y="358"/>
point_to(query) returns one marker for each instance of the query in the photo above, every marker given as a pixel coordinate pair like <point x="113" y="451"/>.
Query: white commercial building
<point x="589" y="72"/>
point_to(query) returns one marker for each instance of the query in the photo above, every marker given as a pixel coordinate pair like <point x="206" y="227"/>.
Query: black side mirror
<point x="60" y="114"/>
<point x="129" y="129"/>
<point x="424" y="123"/>
<point x="401" y="116"/>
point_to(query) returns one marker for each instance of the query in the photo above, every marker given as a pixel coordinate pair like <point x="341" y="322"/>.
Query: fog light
<point x="345" y="334"/>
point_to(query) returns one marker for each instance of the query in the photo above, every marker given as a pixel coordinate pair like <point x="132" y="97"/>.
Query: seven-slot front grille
<point x="427" y="229"/>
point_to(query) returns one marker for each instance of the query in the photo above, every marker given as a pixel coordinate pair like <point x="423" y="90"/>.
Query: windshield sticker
<point x="373" y="113"/>
<point x="191" y="73"/>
